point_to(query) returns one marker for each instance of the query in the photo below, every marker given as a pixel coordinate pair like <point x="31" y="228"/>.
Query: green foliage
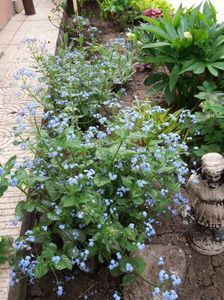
<point x="97" y="190"/>
<point x="126" y="11"/>
<point x="88" y="75"/>
<point x="120" y="10"/>
<point x="189" y="47"/>
<point x="98" y="179"/>
<point x="209" y="124"/>
<point x="5" y="249"/>
<point x="142" y="5"/>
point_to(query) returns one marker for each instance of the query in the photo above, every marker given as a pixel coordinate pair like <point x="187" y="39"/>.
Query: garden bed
<point x="202" y="280"/>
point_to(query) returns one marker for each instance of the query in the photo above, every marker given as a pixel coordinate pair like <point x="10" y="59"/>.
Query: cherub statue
<point x="206" y="193"/>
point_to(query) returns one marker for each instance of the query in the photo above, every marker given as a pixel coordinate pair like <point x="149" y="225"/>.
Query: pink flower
<point x="153" y="13"/>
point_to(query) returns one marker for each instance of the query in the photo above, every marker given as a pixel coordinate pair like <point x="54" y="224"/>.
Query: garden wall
<point x="6" y="12"/>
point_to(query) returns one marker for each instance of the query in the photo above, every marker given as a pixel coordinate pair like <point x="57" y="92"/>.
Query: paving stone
<point x="217" y="260"/>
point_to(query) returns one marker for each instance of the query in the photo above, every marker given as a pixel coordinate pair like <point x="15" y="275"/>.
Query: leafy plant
<point x="82" y="82"/>
<point x="5" y="249"/>
<point x="119" y="9"/>
<point x="126" y="11"/>
<point x="97" y="182"/>
<point x="209" y="125"/>
<point x="141" y="5"/>
<point x="95" y="193"/>
<point x="189" y="47"/>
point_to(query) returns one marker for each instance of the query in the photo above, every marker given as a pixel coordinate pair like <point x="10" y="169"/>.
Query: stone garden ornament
<point x="206" y="193"/>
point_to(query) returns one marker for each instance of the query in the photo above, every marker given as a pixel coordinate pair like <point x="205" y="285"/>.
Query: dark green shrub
<point x="188" y="48"/>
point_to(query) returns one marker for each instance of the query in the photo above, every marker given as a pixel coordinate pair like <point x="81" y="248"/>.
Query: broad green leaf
<point x="218" y="65"/>
<point x="128" y="279"/>
<point x="53" y="217"/>
<point x="9" y="164"/>
<point x="157" y="31"/>
<point x="170" y="30"/>
<point x="85" y="198"/>
<point x="103" y="154"/>
<point x="212" y="70"/>
<point x="127" y="182"/>
<point x="3" y="186"/>
<point x="199" y="68"/>
<point x="50" y="187"/>
<point x="137" y="263"/>
<point x="101" y="179"/>
<point x="219" y="54"/>
<point x="138" y="201"/>
<point x="48" y="253"/>
<point x="41" y="269"/>
<point x="174" y="77"/>
<point x="30" y="206"/>
<point x="200" y="35"/>
<point x="64" y="263"/>
<point x="187" y="66"/>
<point x="20" y="208"/>
<point x="68" y="201"/>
